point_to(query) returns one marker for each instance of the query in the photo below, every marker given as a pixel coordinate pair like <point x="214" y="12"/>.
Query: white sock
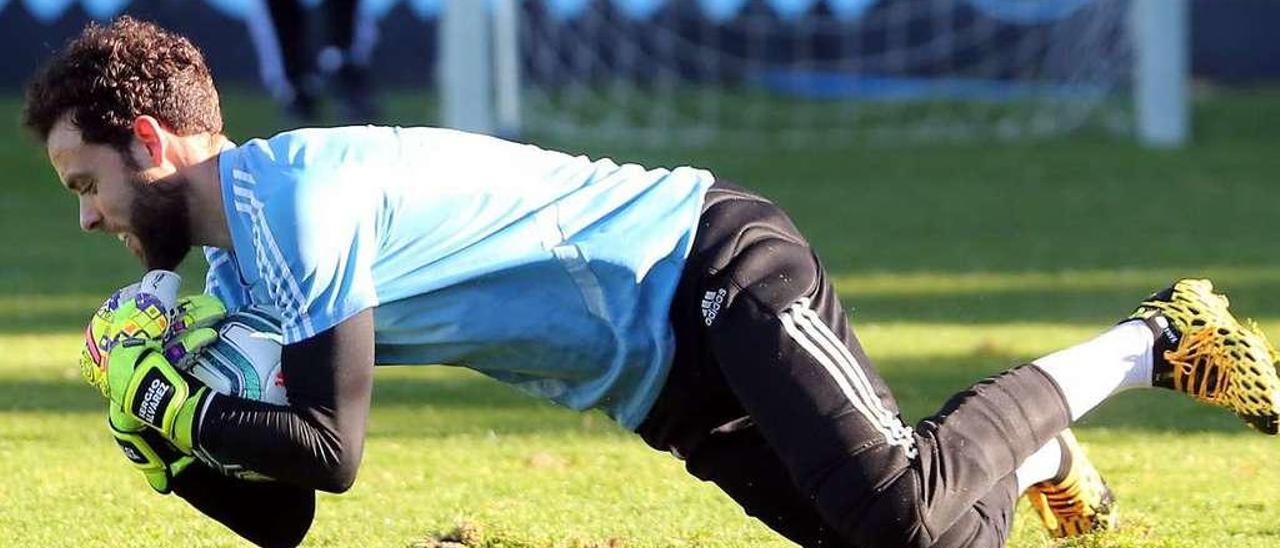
<point x="1042" y="465"/>
<point x="1090" y="372"/>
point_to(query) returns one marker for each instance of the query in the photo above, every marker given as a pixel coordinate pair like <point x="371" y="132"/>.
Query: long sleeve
<point x="317" y="440"/>
<point x="264" y="513"/>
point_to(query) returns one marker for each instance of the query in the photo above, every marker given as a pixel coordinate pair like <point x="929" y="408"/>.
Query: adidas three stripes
<point x="772" y="398"/>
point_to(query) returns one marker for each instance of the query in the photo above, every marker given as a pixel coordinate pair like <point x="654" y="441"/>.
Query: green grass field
<point x="957" y="261"/>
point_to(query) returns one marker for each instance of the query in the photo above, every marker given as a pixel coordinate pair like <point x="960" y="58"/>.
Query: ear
<point x="148" y="133"/>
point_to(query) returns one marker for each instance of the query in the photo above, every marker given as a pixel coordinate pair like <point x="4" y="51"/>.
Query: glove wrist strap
<point x="186" y="426"/>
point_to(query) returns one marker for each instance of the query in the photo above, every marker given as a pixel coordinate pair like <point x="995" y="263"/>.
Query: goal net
<point x="815" y="72"/>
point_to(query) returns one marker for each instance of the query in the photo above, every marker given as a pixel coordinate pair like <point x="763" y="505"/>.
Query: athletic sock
<point x="1047" y="463"/>
<point x="1090" y="372"/>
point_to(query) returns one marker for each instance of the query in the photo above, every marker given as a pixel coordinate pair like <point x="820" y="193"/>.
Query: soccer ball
<point x="245" y="360"/>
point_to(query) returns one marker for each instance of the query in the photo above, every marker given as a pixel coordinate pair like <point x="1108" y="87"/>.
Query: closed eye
<point x="82" y="185"/>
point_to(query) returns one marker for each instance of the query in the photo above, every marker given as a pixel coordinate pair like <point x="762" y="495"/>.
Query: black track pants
<point x="293" y="34"/>
<point x="772" y="398"/>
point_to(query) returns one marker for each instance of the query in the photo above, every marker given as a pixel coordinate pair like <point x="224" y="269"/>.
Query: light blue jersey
<point x="551" y="272"/>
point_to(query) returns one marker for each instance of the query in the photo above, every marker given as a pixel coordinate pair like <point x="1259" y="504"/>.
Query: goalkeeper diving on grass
<point x="687" y="308"/>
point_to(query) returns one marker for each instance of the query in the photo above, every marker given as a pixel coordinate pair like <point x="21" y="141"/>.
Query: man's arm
<point x="317" y="440"/>
<point x="265" y="513"/>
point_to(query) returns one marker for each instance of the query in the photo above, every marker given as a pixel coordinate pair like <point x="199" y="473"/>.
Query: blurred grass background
<point x="957" y="260"/>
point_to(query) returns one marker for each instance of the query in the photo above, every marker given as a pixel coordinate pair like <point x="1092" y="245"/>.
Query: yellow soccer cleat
<point x="1078" y="503"/>
<point x="1201" y="350"/>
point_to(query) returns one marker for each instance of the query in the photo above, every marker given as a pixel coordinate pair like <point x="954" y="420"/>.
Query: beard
<point x="161" y="221"/>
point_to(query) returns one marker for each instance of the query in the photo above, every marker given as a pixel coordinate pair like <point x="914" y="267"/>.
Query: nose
<point x="90" y="219"/>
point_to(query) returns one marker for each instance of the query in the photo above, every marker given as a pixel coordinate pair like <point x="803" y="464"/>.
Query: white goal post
<point x="1162" y="71"/>
<point x="815" y="72"/>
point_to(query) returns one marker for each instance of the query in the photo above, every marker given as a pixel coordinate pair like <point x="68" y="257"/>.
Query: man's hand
<point x="157" y="459"/>
<point x="195" y="313"/>
<point x="193" y="327"/>
<point x="143" y="386"/>
<point x="160" y="460"/>
<point x="98" y="339"/>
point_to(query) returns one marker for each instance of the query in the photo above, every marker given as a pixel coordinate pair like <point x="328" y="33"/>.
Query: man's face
<point x="147" y="213"/>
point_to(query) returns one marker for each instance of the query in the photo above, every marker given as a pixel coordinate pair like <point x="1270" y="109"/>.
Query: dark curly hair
<point x="110" y="75"/>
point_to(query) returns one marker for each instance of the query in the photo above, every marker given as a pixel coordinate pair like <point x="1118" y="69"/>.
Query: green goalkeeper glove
<point x="98" y="339"/>
<point x="142" y="384"/>
<point x="192" y="313"/>
<point x="158" y="460"/>
<point x="193" y="328"/>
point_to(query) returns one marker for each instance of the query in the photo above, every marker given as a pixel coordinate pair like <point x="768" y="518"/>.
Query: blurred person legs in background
<point x="297" y="74"/>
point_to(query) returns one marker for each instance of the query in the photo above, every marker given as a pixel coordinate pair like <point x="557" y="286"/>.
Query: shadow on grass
<point x="920" y="385"/>
<point x="408" y="408"/>
<point x="1102" y="306"/>
<point x="45" y="322"/>
<point x="450" y="394"/>
<point x="1095" y="306"/>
